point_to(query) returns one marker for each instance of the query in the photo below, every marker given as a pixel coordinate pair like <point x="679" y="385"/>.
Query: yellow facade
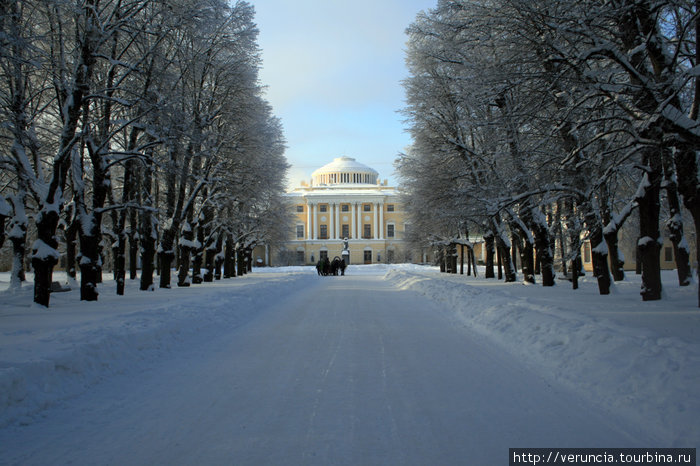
<point x="345" y="201"/>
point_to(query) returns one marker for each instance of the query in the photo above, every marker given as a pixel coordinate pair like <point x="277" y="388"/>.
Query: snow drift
<point x="636" y="372"/>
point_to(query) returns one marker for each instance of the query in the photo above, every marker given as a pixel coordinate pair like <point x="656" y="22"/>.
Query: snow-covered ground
<point x="639" y="362"/>
<point x="47" y="355"/>
<point x="638" y="359"/>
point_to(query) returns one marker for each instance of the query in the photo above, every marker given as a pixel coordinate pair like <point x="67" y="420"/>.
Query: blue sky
<point x="333" y="70"/>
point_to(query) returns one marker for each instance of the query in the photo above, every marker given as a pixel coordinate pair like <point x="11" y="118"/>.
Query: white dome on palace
<point x="344" y="170"/>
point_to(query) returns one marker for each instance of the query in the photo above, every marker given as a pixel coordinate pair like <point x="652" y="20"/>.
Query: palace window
<point x="390" y="230"/>
<point x="345" y="231"/>
<point x="368" y="257"/>
<point x="367" y="233"/>
<point x="367" y="207"/>
<point x="300" y="208"/>
<point x="324" y="232"/>
<point x="345" y="208"/>
<point x="323" y="208"/>
<point x="300" y="257"/>
<point x="300" y="231"/>
<point x="390" y="207"/>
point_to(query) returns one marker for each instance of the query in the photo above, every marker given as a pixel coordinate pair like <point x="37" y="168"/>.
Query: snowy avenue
<point x="361" y="369"/>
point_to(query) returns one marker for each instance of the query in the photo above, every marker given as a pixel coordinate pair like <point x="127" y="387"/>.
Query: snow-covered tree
<point x="119" y="119"/>
<point x="575" y="111"/>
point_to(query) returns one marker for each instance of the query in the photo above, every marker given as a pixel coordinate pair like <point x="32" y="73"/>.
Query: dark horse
<point x="338" y="264"/>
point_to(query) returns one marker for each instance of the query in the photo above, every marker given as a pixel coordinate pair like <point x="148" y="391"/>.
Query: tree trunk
<point x="18" y="238"/>
<point x="503" y="244"/>
<point x="229" y="258"/>
<point x="119" y="254"/>
<point x="90" y="221"/>
<point x="118" y="239"/>
<point x="611" y="228"/>
<point x="575" y="272"/>
<point x="515" y="249"/>
<point x="240" y="261"/>
<point x="44" y="254"/>
<point x="599" y="256"/>
<point x="617" y="262"/>
<point x="574" y="238"/>
<point x="218" y="265"/>
<point x="649" y="246"/>
<point x="696" y="219"/>
<point x="638" y="258"/>
<point x="508" y="267"/>
<point x="4" y="214"/>
<point x="147" y="233"/>
<point x="499" y="262"/>
<point x="470" y="252"/>
<point x="133" y="238"/>
<point x="527" y="257"/>
<point x="183" y="276"/>
<point x="89" y="233"/>
<point x="165" y="259"/>
<point x="489" y="244"/>
<point x="212" y="259"/>
<point x="524" y="243"/>
<point x="166" y="256"/>
<point x="560" y="236"/>
<point x="148" y="251"/>
<point x="545" y="248"/>
<point x="89" y="259"/>
<point x="71" y="236"/>
<point x="134" y="195"/>
<point x="209" y="264"/>
<point x="185" y="249"/>
<point x="675" y="223"/>
<point x="686" y="164"/>
<point x="198" y="258"/>
<point x="201" y="245"/>
<point x="522" y="239"/>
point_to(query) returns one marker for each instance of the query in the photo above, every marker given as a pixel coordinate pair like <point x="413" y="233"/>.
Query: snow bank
<point x="47" y="355"/>
<point x="597" y="345"/>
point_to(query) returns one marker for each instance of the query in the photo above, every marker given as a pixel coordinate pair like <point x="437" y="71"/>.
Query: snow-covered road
<point x="344" y="370"/>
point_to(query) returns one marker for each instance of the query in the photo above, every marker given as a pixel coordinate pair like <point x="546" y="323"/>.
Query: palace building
<point x="345" y="206"/>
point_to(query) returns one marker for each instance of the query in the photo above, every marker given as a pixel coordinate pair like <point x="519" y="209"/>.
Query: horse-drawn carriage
<point x="327" y="267"/>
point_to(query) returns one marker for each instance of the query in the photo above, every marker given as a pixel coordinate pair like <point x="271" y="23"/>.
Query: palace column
<point x="358" y="222"/>
<point x="336" y="227"/>
<point x="314" y="233"/>
<point x="309" y="206"/>
<point x="376" y="221"/>
<point x="352" y="233"/>
<point x="381" y="220"/>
